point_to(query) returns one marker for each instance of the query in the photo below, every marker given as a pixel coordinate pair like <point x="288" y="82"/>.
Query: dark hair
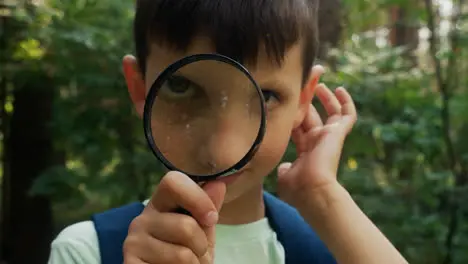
<point x="238" y="28"/>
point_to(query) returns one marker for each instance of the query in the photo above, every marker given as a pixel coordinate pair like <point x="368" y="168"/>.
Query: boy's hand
<point x="319" y="145"/>
<point x="160" y="236"/>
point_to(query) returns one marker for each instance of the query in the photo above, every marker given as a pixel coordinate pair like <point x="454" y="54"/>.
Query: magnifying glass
<point x="205" y="117"/>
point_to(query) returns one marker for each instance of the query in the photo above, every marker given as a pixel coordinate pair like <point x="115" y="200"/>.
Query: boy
<point x="233" y="220"/>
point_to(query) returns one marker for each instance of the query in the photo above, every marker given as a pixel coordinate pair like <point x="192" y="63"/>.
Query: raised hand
<point x="319" y="143"/>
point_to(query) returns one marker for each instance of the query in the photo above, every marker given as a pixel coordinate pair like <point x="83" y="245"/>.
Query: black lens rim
<point x="150" y="98"/>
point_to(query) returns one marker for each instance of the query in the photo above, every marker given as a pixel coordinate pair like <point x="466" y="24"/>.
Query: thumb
<point x="216" y="191"/>
<point x="283" y="169"/>
<point x="284" y="173"/>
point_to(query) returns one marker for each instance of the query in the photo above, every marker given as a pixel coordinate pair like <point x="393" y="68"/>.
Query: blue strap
<point x="300" y="242"/>
<point x="112" y="229"/>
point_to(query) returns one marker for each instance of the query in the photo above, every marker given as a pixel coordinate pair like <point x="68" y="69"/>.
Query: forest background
<point x="71" y="144"/>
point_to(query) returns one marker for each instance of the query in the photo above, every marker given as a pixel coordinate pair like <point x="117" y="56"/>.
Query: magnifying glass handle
<point x="181" y="210"/>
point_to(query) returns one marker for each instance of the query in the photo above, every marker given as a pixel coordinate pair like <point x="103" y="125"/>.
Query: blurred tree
<point x="28" y="143"/>
<point x="404" y="28"/>
<point x="330" y="23"/>
<point x="30" y="151"/>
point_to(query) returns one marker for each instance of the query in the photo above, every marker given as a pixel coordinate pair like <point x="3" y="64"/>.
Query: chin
<point x="230" y="196"/>
<point x="243" y="186"/>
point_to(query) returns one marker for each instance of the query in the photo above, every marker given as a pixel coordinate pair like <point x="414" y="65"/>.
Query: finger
<point x="283" y="168"/>
<point x="316" y="72"/>
<point x="349" y="112"/>
<point x="347" y="103"/>
<point x="180" y="230"/>
<point x="133" y="260"/>
<point x="151" y="250"/>
<point x="298" y="137"/>
<point x="328" y="100"/>
<point x="178" y="190"/>
<point x="216" y="191"/>
<point x="312" y="119"/>
<point x="286" y="175"/>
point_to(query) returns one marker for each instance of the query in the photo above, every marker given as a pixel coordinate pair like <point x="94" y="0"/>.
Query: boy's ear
<point x="307" y="94"/>
<point x="135" y="83"/>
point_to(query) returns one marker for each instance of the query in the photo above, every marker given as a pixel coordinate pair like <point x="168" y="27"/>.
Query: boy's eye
<point x="178" y="87"/>
<point x="270" y="96"/>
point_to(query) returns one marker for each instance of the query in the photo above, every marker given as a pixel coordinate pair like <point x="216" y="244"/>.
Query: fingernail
<point x="211" y="218"/>
<point x="319" y="68"/>
<point x="283" y="168"/>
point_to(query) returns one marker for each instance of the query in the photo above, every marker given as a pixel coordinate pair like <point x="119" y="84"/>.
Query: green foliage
<point x="395" y="162"/>
<point x="107" y="160"/>
<point x="398" y="168"/>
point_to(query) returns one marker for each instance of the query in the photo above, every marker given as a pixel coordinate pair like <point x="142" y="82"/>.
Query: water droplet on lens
<point x="224" y="99"/>
<point x="213" y="167"/>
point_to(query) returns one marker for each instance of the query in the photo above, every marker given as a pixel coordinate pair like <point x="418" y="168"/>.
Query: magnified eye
<point x="178" y="87"/>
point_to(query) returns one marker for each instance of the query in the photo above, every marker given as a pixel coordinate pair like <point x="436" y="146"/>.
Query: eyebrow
<point x="275" y="83"/>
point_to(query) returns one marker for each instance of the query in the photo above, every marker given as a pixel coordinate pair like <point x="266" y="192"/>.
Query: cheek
<point x="276" y="140"/>
<point x="271" y="151"/>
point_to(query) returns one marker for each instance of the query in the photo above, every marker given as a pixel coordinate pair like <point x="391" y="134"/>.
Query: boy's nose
<point x="229" y="141"/>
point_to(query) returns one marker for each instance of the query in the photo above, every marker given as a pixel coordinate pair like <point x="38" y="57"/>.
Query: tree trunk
<point x="330" y="24"/>
<point x="404" y="32"/>
<point x="30" y="152"/>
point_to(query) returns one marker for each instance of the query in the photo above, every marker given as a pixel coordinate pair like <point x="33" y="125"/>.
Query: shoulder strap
<point x="301" y="244"/>
<point x="112" y="229"/>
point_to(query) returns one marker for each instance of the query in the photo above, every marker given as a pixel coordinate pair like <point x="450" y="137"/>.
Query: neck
<point x="247" y="208"/>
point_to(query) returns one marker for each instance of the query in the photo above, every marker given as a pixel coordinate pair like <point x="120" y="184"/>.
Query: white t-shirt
<point x="254" y="243"/>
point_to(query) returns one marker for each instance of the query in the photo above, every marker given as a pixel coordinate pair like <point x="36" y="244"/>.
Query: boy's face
<point x="286" y="104"/>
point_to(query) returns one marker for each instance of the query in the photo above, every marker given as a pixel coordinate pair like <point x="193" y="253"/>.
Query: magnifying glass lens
<point x="206" y="117"/>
